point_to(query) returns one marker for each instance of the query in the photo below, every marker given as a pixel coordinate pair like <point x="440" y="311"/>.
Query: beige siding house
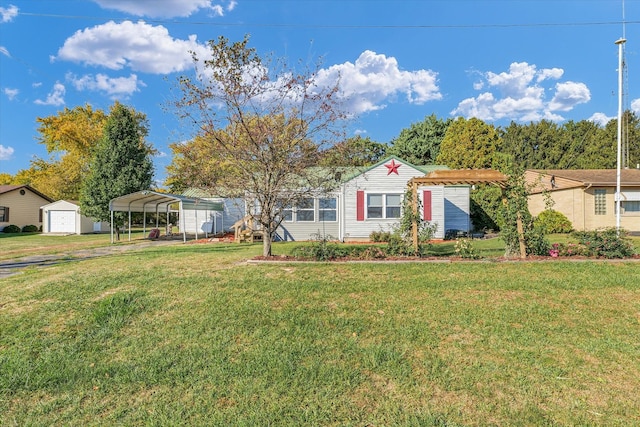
<point x="587" y="197"/>
<point x="20" y="205"/>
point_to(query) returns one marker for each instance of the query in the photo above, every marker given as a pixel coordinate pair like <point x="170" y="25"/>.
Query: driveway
<point x="15" y="266"/>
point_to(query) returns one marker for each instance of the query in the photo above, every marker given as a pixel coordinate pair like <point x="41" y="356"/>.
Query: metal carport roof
<point x="155" y="202"/>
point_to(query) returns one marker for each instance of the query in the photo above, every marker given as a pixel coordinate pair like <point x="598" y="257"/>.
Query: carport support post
<point x="111" y="227"/>
<point x="129" y="224"/>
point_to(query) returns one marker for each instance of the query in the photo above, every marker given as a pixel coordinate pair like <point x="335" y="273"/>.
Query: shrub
<point x="464" y="249"/>
<point x="568" y="249"/>
<point x="553" y="222"/>
<point x="11" y="229"/>
<point x="380" y="236"/>
<point x="30" y="229"/>
<point x="606" y="243"/>
<point x="537" y="243"/>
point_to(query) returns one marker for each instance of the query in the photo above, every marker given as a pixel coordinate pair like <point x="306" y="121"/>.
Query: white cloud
<point x="600" y="119"/>
<point x="55" y="97"/>
<point x="5" y="152"/>
<point x="375" y="79"/>
<point x="7" y="14"/>
<point x="568" y="95"/>
<point x="635" y="106"/>
<point x="5" y="51"/>
<point x="11" y="93"/>
<point x="360" y="131"/>
<point x="518" y="94"/>
<point x="138" y="46"/>
<point x="115" y="87"/>
<point x="168" y="8"/>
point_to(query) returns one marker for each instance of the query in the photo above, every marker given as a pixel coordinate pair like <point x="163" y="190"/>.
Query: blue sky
<point x="399" y="61"/>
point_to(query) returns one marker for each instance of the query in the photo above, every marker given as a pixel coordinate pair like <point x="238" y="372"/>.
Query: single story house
<point x="370" y="199"/>
<point x="20" y="206"/>
<point x="587" y="197"/>
<point x="64" y="217"/>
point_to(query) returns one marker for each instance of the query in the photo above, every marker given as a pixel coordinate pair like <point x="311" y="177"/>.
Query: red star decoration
<point x="393" y="167"/>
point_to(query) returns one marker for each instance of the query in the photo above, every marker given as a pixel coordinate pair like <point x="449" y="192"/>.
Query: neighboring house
<point x="20" y="205"/>
<point x="370" y="199"/>
<point x="64" y="217"/>
<point x="212" y="221"/>
<point x="587" y="197"/>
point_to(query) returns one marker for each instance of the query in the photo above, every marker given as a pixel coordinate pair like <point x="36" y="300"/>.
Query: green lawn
<point x="193" y="335"/>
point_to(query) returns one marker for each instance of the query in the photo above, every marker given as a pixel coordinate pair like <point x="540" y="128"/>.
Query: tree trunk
<point x="266" y="241"/>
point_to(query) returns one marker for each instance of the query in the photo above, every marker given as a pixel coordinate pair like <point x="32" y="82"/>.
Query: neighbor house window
<point x="632" y="206"/>
<point x="383" y="206"/>
<point x="4" y="214"/>
<point x="327" y="209"/>
<point x="305" y="211"/>
<point x="600" y="201"/>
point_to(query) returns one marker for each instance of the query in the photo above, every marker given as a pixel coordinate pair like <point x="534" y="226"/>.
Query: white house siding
<point x="373" y="181"/>
<point x="311" y="230"/>
<point x="456" y="208"/>
<point x="437" y="208"/>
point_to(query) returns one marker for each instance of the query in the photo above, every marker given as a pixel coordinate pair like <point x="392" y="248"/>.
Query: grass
<point x="193" y="335"/>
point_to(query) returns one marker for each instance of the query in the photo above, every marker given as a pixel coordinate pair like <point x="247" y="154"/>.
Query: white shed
<point x="64" y="217"/>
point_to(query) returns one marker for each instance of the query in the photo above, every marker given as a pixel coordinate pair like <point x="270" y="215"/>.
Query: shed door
<point x="62" y="222"/>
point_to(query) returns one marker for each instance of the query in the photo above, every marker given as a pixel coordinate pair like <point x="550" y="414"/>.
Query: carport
<point x="155" y="202"/>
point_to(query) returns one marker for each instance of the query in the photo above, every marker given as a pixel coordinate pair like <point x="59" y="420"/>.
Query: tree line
<point x="474" y="144"/>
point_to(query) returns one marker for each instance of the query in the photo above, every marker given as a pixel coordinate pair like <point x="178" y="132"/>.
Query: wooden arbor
<point x="462" y="177"/>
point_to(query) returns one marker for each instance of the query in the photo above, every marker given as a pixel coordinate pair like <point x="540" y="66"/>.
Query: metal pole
<point x="620" y="42"/>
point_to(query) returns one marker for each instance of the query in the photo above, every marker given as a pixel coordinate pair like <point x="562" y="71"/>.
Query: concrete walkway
<point x="15" y="266"/>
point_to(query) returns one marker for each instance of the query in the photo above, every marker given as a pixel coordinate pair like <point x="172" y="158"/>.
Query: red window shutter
<point x="360" y="205"/>
<point x="426" y="203"/>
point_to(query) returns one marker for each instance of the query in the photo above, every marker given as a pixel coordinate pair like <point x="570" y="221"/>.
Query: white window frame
<point x="311" y="209"/>
<point x="384" y="207"/>
<point x="323" y="210"/>
<point x="634" y="212"/>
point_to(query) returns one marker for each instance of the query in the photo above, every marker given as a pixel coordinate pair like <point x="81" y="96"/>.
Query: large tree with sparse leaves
<point x="260" y="125"/>
<point x="121" y="163"/>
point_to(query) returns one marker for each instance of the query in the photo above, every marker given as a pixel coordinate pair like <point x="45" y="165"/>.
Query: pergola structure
<point x="461" y="177"/>
<point x="154" y="202"/>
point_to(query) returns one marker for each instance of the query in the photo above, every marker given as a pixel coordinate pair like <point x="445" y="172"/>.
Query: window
<point x="383" y="205"/>
<point x="305" y="210"/>
<point x="287" y="214"/>
<point x="327" y="210"/>
<point x="600" y="201"/>
<point x="631" y="207"/>
<point x="393" y="206"/>
<point x="4" y="214"/>
<point x="374" y="205"/>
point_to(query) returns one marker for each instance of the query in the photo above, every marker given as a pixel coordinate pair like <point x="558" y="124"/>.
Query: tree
<point x="470" y="144"/>
<point x="262" y="125"/>
<point x="121" y="164"/>
<point x="69" y="137"/>
<point x="5" y="178"/>
<point x="420" y="143"/>
<point x="356" y="151"/>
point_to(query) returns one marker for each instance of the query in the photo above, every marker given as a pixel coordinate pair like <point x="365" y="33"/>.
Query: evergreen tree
<point x="121" y="164"/>
<point x="420" y="143"/>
